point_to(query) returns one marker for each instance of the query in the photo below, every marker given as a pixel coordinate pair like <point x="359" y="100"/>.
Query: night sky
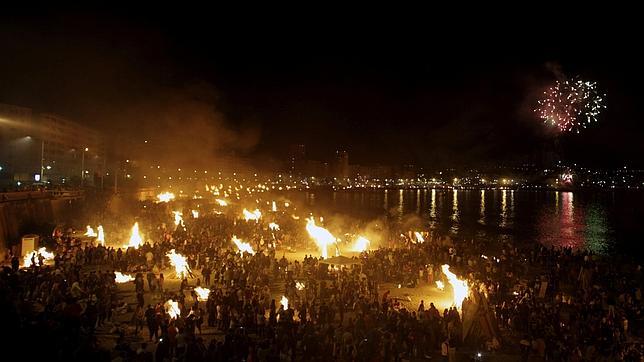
<point x="453" y="94"/>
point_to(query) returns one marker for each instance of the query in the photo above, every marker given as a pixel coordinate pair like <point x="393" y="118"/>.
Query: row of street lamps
<point x="48" y="167"/>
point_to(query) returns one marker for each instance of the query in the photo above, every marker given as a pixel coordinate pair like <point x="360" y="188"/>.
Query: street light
<point x="42" y="160"/>
<point x="83" y="166"/>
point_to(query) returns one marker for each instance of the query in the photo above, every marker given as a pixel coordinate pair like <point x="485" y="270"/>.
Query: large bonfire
<point x="322" y="237"/>
<point x="252" y="215"/>
<point x="101" y="235"/>
<point x="90" y="232"/>
<point x="243" y="247"/>
<point x="361" y="244"/>
<point x="47" y="256"/>
<point x="123" y="278"/>
<point x="172" y="308"/>
<point x="136" y="240"/>
<point x="180" y="264"/>
<point x="460" y="288"/>
<point x="165" y="197"/>
<point x="202" y="293"/>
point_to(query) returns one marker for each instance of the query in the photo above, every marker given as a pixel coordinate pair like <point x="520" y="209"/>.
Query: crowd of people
<point x="556" y="304"/>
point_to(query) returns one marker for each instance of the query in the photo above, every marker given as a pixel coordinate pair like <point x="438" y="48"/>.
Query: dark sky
<point x="410" y="90"/>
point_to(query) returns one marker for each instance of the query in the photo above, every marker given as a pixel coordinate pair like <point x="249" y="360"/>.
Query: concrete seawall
<point x="28" y="212"/>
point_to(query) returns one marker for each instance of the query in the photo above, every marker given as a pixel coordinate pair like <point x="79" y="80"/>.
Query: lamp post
<point x="103" y="172"/>
<point x="83" y="166"/>
<point x="42" y="161"/>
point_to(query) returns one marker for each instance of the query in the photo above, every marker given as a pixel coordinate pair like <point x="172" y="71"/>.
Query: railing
<point x="67" y="194"/>
<point x="44" y="194"/>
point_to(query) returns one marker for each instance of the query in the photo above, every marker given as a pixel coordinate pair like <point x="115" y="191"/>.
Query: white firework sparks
<point x="571" y="105"/>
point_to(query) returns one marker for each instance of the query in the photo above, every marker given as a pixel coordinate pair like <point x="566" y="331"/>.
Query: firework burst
<point x="571" y="105"/>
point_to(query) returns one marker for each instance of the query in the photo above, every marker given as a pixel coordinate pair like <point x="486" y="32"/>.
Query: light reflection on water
<point x="432" y="211"/>
<point x="504" y="209"/>
<point x="482" y="208"/>
<point x="598" y="221"/>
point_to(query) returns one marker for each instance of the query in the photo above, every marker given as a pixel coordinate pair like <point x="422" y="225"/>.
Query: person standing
<point x="15" y="263"/>
<point x="445" y="350"/>
<point x="150" y="276"/>
<point x="151" y="319"/>
<point x="160" y="282"/>
<point x="140" y="299"/>
<point x="139" y="283"/>
<point x="206" y="274"/>
<point x="139" y="319"/>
